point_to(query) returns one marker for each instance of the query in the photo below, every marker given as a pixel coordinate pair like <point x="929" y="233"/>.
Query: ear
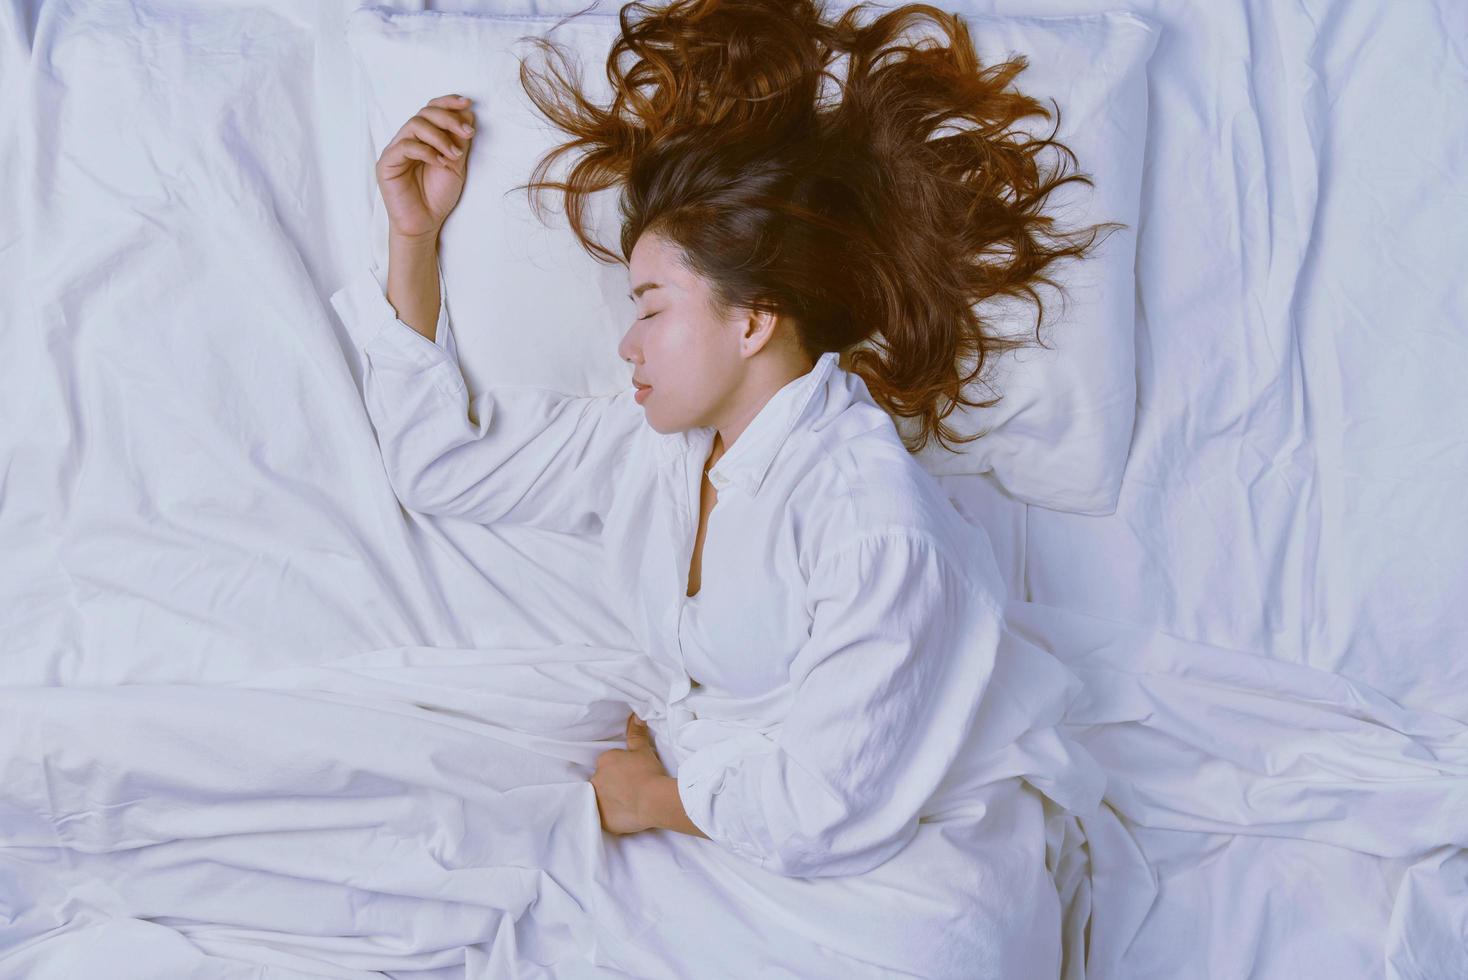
<point x="760" y="330"/>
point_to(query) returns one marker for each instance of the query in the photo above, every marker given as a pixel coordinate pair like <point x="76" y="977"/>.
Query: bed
<point x="240" y="729"/>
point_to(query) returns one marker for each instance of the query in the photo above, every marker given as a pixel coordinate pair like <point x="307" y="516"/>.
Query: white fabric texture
<point x="1058" y="438"/>
<point x="845" y="640"/>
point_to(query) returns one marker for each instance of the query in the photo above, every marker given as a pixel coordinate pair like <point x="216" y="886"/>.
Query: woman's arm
<point x="900" y="655"/>
<point x="421" y="176"/>
<point x="412" y="281"/>
<point x="516" y="454"/>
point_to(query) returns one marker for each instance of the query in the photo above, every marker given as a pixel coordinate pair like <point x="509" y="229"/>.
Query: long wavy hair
<point x="877" y="210"/>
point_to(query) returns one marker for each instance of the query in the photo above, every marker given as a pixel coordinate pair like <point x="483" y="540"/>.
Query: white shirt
<point x="847" y="622"/>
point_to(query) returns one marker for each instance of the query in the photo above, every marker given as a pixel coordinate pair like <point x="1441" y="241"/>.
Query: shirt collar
<point x="746" y="462"/>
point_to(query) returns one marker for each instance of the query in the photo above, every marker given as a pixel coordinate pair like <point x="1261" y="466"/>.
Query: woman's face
<point x="690" y="358"/>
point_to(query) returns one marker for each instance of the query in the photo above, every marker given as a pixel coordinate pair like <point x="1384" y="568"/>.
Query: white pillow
<point x="531" y="307"/>
<point x="1060" y="435"/>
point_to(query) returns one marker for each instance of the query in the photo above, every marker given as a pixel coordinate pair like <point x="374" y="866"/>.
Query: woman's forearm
<point x="412" y="282"/>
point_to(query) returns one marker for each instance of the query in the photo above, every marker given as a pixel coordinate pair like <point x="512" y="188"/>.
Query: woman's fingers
<point x="457" y="124"/>
<point x="452" y="113"/>
<point x="427" y="132"/>
<point x="439" y="133"/>
<point x="443" y="129"/>
<point x="451" y="102"/>
<point x="398" y="156"/>
<point x="637" y="730"/>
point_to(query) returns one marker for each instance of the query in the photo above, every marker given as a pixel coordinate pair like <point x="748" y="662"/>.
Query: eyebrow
<point x="642" y="288"/>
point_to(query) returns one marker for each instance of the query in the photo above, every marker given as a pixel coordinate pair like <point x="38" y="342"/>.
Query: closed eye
<point x="648" y="317"/>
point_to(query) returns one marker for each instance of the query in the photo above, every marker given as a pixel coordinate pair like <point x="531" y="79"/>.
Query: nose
<point x="628" y="349"/>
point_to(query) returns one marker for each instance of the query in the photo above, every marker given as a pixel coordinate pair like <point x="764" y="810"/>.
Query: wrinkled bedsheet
<point x="246" y="723"/>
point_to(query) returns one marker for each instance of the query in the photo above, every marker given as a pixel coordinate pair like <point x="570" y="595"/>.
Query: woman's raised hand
<point x="421" y="172"/>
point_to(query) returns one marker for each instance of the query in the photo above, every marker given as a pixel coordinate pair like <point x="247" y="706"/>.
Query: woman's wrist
<point x="414" y="243"/>
<point x="412" y="281"/>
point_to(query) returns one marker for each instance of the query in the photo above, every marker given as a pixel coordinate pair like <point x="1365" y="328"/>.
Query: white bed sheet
<point x="1294" y="485"/>
<point x="191" y="502"/>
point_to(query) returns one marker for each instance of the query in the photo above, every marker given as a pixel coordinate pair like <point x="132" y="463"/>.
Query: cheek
<point x="691" y="364"/>
<point x="669" y="352"/>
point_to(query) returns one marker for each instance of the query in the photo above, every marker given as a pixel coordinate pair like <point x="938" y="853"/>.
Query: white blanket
<point x="418" y="809"/>
<point x="259" y="722"/>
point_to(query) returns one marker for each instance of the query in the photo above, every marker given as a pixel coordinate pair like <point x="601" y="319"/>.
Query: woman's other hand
<point x="624" y="778"/>
<point x="421" y="172"/>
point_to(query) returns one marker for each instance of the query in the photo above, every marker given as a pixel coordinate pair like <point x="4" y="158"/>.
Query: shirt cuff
<point x="373" y="324"/>
<point x="703" y="774"/>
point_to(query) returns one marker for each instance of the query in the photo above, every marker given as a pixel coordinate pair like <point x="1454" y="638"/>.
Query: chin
<point x="662" y="425"/>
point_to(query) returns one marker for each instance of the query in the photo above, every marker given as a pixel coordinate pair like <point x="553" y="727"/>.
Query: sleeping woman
<point x="847" y="725"/>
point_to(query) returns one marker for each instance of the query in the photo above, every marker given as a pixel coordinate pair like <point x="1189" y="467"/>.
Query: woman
<point x="864" y="742"/>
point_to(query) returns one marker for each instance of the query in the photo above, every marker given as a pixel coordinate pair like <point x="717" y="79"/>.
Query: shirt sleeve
<point x="902" y="648"/>
<point x="514" y="453"/>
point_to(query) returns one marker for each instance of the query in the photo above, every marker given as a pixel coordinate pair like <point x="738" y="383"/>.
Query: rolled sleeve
<point x="901" y="651"/>
<point x="373" y="325"/>
<point x="729" y="819"/>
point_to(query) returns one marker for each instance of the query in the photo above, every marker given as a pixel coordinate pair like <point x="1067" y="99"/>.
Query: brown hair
<point x="874" y="222"/>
